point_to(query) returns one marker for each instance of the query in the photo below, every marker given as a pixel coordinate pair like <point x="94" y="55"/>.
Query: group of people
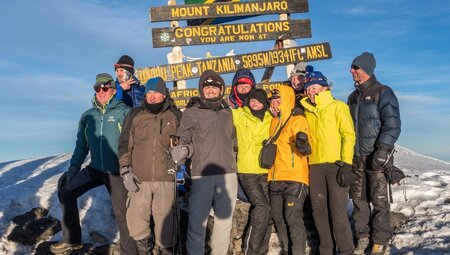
<point x="324" y="149"/>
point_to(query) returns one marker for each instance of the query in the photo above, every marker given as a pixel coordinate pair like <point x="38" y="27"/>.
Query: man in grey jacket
<point x="207" y="132"/>
<point x="143" y="158"/>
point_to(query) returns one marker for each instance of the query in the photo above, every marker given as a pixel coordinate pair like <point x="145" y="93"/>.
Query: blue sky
<point x="51" y="51"/>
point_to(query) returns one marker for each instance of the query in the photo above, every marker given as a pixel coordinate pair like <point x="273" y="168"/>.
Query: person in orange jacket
<point x="288" y="176"/>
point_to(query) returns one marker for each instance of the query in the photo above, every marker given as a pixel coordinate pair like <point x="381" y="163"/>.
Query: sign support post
<point x="176" y="56"/>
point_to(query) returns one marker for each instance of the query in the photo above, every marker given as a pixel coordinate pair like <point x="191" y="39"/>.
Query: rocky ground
<point x="35" y="227"/>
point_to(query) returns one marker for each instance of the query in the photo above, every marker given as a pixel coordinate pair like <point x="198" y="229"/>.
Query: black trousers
<point x="329" y="203"/>
<point x="85" y="180"/>
<point x="371" y="208"/>
<point x="256" y="189"/>
<point x="286" y="203"/>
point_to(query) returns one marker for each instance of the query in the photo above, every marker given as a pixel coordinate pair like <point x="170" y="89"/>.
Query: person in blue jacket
<point x="98" y="133"/>
<point x="376" y="116"/>
<point x="129" y="88"/>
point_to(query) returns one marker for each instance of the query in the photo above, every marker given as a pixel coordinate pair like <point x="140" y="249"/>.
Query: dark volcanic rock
<point x="33" y="231"/>
<point x="398" y="220"/>
<point x="44" y="249"/>
<point x="34" y="214"/>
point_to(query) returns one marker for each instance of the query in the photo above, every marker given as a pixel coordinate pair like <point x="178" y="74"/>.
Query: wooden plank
<point x="269" y="70"/>
<point x="182" y="96"/>
<point x="231" y="33"/>
<point x="228" y="9"/>
<point x="230" y="64"/>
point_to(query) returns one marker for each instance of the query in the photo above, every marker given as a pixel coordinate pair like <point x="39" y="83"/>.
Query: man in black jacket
<point x="375" y="112"/>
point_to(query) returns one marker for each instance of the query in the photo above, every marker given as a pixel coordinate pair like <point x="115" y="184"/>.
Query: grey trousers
<point x="218" y="192"/>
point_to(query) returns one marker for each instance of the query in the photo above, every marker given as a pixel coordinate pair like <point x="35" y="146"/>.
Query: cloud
<point x="421" y="99"/>
<point x="360" y="11"/>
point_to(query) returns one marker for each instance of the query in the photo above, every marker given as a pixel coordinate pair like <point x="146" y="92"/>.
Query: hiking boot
<point x="379" y="249"/>
<point x="145" y="246"/>
<point x="64" y="247"/>
<point x="363" y="243"/>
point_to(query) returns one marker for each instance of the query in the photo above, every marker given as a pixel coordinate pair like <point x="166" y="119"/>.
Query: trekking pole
<point x="404" y="190"/>
<point x="174" y="141"/>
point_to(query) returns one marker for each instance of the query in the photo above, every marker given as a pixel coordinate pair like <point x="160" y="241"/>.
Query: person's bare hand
<point x="126" y="85"/>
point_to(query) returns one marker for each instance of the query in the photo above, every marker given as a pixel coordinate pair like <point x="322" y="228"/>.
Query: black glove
<point x="381" y="156"/>
<point x="180" y="153"/>
<point x="345" y="176"/>
<point x="302" y="144"/>
<point x="67" y="176"/>
<point x="130" y="180"/>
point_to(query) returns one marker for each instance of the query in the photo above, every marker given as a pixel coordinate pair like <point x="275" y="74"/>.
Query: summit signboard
<point x="230" y="33"/>
<point x="226" y="9"/>
<point x="230" y="64"/>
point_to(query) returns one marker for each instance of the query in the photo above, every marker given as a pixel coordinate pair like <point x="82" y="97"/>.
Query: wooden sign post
<point x="230" y="64"/>
<point x="226" y="9"/>
<point x="231" y="33"/>
<point x="282" y="31"/>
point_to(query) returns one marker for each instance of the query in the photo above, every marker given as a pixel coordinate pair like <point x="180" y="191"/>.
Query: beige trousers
<point x="154" y="199"/>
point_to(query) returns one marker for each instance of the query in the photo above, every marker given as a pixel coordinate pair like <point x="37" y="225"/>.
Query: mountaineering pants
<point x="329" y="202"/>
<point x="256" y="188"/>
<point x="85" y="180"/>
<point x="286" y="203"/>
<point x="371" y="190"/>
<point x="154" y="199"/>
<point x="218" y="192"/>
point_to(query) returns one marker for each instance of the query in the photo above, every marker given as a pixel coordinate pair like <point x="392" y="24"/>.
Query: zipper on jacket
<point x="292" y="158"/>
<point x="153" y="156"/>
<point x="101" y="141"/>
<point x="160" y="125"/>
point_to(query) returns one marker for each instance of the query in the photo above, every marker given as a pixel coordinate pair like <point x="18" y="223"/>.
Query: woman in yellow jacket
<point x="289" y="175"/>
<point x="252" y="123"/>
<point x="332" y="143"/>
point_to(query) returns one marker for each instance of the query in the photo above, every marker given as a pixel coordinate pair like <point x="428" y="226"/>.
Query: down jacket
<point x="376" y="116"/>
<point x="289" y="164"/>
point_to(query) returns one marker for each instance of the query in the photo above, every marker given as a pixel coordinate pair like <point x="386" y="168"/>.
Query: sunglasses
<point x="355" y="67"/>
<point x="102" y="87"/>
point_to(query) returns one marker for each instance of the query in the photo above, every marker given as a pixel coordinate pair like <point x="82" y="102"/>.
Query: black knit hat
<point x="125" y="62"/>
<point x="258" y="94"/>
<point x="211" y="78"/>
<point x="261" y="96"/>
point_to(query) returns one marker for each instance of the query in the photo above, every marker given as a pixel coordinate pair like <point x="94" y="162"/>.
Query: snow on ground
<point x="29" y="183"/>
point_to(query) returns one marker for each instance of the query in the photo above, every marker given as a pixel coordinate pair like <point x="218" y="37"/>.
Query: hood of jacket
<point x="287" y="101"/>
<point x="235" y="101"/>
<point x="323" y="99"/>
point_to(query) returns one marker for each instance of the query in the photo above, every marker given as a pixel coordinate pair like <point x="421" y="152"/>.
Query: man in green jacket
<point x="98" y="134"/>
